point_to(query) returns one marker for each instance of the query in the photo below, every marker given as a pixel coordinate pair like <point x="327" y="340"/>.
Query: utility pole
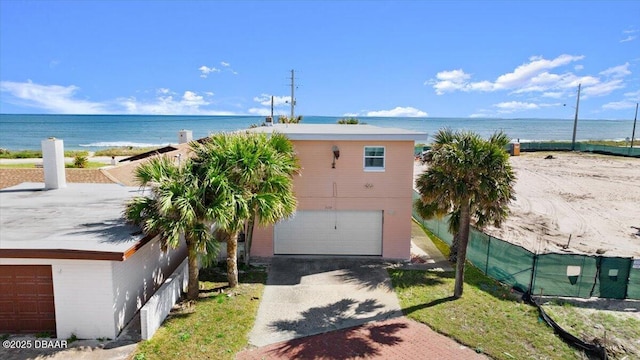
<point x="293" y="99"/>
<point x="633" y="133"/>
<point x="271" y="107"/>
<point x="575" y="121"/>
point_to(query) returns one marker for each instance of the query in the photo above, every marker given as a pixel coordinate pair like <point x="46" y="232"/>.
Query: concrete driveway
<point x="306" y="296"/>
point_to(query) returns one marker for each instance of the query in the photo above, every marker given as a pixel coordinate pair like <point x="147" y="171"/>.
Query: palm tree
<point x="174" y="209"/>
<point x="283" y="119"/>
<point x="269" y="179"/>
<point x="255" y="172"/>
<point x="469" y="178"/>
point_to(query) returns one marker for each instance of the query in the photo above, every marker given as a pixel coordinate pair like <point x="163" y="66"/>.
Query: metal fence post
<point x="486" y="263"/>
<point x="534" y="270"/>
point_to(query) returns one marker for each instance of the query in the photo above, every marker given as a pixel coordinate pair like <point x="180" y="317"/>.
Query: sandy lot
<point x="594" y="199"/>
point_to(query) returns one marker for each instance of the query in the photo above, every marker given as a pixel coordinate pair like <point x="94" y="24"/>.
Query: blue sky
<point x="362" y="58"/>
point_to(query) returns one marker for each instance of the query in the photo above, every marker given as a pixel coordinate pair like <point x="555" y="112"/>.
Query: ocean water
<point x="93" y="132"/>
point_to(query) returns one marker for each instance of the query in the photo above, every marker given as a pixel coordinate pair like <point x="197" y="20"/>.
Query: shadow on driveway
<point x="311" y="296"/>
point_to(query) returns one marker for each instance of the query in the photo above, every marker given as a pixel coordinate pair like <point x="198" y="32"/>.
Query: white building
<point x="69" y="264"/>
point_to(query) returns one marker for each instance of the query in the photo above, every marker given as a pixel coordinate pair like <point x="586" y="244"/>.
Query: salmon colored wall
<point x="349" y="187"/>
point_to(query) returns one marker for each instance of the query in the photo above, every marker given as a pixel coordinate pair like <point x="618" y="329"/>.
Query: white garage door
<point x="330" y="233"/>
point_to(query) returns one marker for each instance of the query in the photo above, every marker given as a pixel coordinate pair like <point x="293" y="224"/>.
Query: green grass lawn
<point x="618" y="331"/>
<point x="488" y="317"/>
<point x="216" y="326"/>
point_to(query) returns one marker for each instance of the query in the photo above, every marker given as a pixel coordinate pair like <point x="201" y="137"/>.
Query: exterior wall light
<point x="336" y="156"/>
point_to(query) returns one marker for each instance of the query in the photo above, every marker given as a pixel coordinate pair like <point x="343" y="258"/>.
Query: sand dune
<point x="593" y="199"/>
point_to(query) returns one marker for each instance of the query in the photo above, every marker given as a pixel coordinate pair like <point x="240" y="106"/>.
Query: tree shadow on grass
<point x="409" y="278"/>
<point x="476" y="278"/>
<point x="436" y="302"/>
<point x="246" y="275"/>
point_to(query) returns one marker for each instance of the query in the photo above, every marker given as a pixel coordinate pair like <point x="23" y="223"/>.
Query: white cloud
<point x="260" y="111"/>
<point x="453" y="75"/>
<point x="398" y="112"/>
<point x="553" y="94"/>
<point x="225" y="64"/>
<point x="619" y="105"/>
<point x="449" y="81"/>
<point x="525" y="72"/>
<point x="209" y="93"/>
<point x="539" y="76"/>
<point x="481" y="86"/>
<point x="205" y="71"/>
<point x="516" y="105"/>
<point x="628" y="38"/>
<point x="602" y="89"/>
<point x="633" y="94"/>
<point x="190" y="103"/>
<point x="64" y="100"/>
<point x="265" y="99"/>
<point x="395" y="112"/>
<point x="280" y="104"/>
<point x="508" y="107"/>
<point x="629" y="35"/>
<point x="53" y="98"/>
<point x="532" y="76"/>
<point x="629" y="102"/>
<point x="190" y="98"/>
<point x="617" y="71"/>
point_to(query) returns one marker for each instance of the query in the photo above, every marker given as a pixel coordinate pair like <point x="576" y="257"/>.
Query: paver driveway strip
<point x="397" y="338"/>
<point x="311" y="296"/>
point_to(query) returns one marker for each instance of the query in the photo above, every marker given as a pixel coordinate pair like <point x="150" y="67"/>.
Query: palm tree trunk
<point x="463" y="240"/>
<point x="248" y="238"/>
<point x="193" y="288"/>
<point x="232" y="259"/>
<point x="453" y="249"/>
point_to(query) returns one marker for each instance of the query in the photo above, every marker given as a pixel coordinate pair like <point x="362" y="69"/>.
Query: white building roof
<point x="341" y="132"/>
<point x="81" y="217"/>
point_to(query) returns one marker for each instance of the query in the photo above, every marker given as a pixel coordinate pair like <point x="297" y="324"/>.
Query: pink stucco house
<point x="354" y="193"/>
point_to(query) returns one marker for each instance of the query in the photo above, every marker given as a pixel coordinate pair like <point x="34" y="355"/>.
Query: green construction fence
<point x="571" y="275"/>
<point x="582" y="147"/>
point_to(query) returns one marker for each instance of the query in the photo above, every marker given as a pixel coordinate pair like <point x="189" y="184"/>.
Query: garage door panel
<point x="6" y="307"/>
<point x="27" y="308"/>
<point x="330" y="233"/>
<point x="46" y="308"/>
<point x="27" y="301"/>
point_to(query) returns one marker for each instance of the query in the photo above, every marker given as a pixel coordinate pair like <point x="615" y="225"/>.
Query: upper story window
<point x="374" y="158"/>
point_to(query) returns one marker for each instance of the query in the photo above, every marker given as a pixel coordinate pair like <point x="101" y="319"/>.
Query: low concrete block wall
<point x="153" y="313"/>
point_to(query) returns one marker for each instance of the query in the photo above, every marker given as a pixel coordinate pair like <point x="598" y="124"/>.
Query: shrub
<point x="349" y="121"/>
<point x="80" y="161"/>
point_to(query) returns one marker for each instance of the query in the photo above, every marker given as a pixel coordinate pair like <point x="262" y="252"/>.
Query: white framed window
<point x="374" y="158"/>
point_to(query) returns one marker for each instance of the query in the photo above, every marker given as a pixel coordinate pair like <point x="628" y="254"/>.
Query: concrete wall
<point x="158" y="307"/>
<point x="82" y="296"/>
<point x="136" y="279"/>
<point x="97" y="298"/>
<point x="350" y="187"/>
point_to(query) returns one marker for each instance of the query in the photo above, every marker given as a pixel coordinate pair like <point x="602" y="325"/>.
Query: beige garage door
<point x="26" y="299"/>
<point x="330" y="233"/>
